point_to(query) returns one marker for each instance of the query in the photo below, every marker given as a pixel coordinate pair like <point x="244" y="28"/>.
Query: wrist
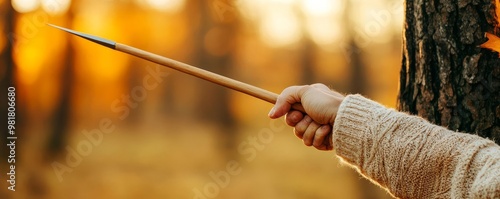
<point x="336" y="101"/>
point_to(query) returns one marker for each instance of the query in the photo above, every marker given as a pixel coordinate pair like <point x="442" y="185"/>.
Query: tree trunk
<point x="357" y="84"/>
<point x="215" y="42"/>
<point x="357" y="80"/>
<point x="445" y="77"/>
<point x="215" y="99"/>
<point x="7" y="73"/>
<point x="307" y="62"/>
<point x="62" y="114"/>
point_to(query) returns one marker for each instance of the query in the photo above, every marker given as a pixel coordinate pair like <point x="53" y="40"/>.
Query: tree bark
<point x="446" y="77"/>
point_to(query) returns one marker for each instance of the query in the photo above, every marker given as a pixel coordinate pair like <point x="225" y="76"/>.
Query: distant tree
<point x="8" y="68"/>
<point x="221" y="30"/>
<point x="357" y="84"/>
<point x="214" y="40"/>
<point x="308" y="52"/>
<point x="445" y="76"/>
<point x="62" y="113"/>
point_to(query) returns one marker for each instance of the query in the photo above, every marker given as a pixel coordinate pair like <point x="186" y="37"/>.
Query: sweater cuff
<point x="351" y="130"/>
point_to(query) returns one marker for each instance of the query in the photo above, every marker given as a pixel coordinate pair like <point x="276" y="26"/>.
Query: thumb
<point x="279" y="110"/>
<point x="289" y="96"/>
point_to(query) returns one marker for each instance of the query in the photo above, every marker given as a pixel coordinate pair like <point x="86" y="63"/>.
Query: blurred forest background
<point x="185" y="128"/>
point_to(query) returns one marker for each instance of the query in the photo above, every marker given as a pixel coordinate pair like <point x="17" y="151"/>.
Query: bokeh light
<point x="321" y="7"/>
<point x="29" y="61"/>
<point x="96" y="24"/>
<point x="374" y="22"/>
<point x="170" y="6"/>
<point x="268" y="43"/>
<point x="324" y="32"/>
<point x="280" y="28"/>
<point x="55" y="7"/>
<point x="277" y="2"/>
<point x="323" y="20"/>
<point x="24" y="6"/>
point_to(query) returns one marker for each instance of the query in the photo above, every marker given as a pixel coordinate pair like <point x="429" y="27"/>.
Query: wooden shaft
<point x="203" y="74"/>
<point x="257" y="92"/>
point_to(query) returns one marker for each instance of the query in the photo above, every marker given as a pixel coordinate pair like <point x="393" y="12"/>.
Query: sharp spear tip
<point x="102" y="41"/>
<point x="53" y="25"/>
<point x="60" y="28"/>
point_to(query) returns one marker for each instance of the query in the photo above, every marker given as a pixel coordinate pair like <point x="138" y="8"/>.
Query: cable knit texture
<point x="413" y="158"/>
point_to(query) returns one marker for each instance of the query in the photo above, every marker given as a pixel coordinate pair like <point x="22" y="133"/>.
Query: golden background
<point x="166" y="142"/>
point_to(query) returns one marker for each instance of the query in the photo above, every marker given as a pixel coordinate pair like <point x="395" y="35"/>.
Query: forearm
<point x="408" y="155"/>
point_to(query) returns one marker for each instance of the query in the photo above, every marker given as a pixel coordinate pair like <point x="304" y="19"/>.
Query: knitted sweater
<point x="412" y="158"/>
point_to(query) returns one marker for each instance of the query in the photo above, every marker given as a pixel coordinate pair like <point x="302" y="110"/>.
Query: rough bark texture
<point x="446" y="77"/>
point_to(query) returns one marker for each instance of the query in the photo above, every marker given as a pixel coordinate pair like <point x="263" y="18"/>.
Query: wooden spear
<point x="254" y="91"/>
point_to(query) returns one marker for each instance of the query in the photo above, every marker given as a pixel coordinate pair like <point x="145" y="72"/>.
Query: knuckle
<point x="289" y="121"/>
<point x="303" y="89"/>
<point x="300" y="127"/>
<point x="294" y="117"/>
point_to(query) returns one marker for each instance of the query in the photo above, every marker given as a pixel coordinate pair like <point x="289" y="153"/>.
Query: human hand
<point x="315" y="125"/>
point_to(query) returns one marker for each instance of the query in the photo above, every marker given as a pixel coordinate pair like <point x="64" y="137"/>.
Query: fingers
<point x="308" y="136"/>
<point x="322" y="138"/>
<point x="321" y="104"/>
<point x="327" y="142"/>
<point x="312" y="133"/>
<point x="302" y="126"/>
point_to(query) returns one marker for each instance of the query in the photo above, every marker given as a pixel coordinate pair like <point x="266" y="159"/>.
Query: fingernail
<point x="271" y="113"/>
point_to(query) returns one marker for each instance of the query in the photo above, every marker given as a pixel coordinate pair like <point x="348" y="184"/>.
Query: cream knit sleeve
<point x="413" y="158"/>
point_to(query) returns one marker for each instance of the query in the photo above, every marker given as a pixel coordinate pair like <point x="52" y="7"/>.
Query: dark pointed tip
<point x="99" y="40"/>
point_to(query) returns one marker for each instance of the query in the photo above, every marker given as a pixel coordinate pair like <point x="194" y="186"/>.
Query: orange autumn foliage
<point x="493" y="42"/>
<point x="497" y="10"/>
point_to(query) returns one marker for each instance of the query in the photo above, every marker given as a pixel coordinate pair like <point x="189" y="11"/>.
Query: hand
<point x="315" y="125"/>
